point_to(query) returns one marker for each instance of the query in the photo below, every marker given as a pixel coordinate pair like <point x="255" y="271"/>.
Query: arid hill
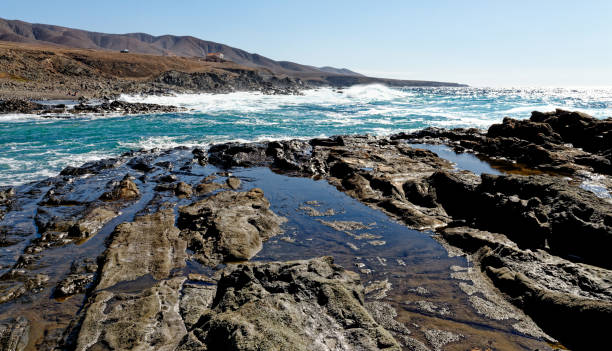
<point x="165" y="45"/>
<point x="32" y="71"/>
<point x="36" y="71"/>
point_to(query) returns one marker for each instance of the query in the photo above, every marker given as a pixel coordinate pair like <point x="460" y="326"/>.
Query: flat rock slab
<point x="149" y="245"/>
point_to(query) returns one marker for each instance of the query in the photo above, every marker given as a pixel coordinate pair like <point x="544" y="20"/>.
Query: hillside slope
<point x="165" y="45"/>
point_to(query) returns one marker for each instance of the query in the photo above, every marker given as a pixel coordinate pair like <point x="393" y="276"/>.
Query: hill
<point x="142" y="43"/>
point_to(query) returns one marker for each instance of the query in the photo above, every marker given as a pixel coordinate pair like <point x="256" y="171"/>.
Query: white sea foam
<point x="251" y="116"/>
<point x="251" y="102"/>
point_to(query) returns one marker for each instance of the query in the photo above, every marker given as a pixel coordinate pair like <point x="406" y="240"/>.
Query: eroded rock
<point x="299" y="305"/>
<point x="148" y="320"/>
<point x="92" y="222"/>
<point x="14" y="334"/>
<point x="81" y="275"/>
<point x="149" y="245"/>
<point x="229" y="225"/>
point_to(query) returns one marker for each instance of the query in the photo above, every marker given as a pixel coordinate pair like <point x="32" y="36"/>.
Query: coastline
<point x="413" y="185"/>
<point x="34" y="72"/>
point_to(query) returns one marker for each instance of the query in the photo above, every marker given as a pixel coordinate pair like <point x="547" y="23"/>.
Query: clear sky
<point x="492" y="43"/>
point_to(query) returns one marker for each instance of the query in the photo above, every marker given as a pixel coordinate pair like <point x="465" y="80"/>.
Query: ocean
<point x="33" y="148"/>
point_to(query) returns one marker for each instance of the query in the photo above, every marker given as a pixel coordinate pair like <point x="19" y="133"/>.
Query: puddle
<point x="464" y="161"/>
<point x="411" y="261"/>
<point x="479" y="164"/>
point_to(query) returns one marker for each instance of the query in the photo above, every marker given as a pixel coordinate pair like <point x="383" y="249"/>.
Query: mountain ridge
<point x="143" y="43"/>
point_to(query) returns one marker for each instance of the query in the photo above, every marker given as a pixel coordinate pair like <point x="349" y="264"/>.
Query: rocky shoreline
<point x="83" y="107"/>
<point x="155" y="243"/>
<point x="50" y="73"/>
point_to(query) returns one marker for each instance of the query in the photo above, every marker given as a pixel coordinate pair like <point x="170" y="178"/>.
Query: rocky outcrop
<point x="149" y="245"/>
<point x="84" y="107"/>
<point x="543" y="218"/>
<point x="91" y="223"/>
<point x="148" y="320"/>
<point x="560" y="141"/>
<point x="536" y="212"/>
<point x="19" y="106"/>
<point x="6" y="194"/>
<point x="377" y="172"/>
<point x="564" y="297"/>
<point x="229" y="81"/>
<point x="123" y="107"/>
<point x="228" y="226"/>
<point x="300" y="305"/>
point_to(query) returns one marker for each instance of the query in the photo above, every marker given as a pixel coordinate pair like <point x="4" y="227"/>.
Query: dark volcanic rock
<point x="536" y="212"/>
<point x="237" y="155"/>
<point x="299" y="305"/>
<point x="568" y="299"/>
<point x="547" y="141"/>
<point x="229" y="225"/>
<point x="19" y="106"/>
<point x="123" y="107"/>
<point x="91" y="167"/>
<point x="579" y="129"/>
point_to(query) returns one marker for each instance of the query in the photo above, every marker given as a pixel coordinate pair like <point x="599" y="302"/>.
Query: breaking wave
<point x="32" y="147"/>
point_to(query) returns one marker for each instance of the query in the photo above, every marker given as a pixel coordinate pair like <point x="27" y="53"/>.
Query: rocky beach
<point x="437" y="239"/>
<point x="398" y="176"/>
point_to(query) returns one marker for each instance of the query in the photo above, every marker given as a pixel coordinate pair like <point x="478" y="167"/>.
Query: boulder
<point x="125" y="190"/>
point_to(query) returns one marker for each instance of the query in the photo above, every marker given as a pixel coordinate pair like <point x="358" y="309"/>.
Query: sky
<point x="482" y="43"/>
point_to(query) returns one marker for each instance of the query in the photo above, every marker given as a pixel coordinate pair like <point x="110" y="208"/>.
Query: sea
<point x="33" y="148"/>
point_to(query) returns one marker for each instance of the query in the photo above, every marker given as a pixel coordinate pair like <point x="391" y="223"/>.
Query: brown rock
<point x="125" y="190"/>
<point x="233" y="183"/>
<point x="149" y="245"/>
<point x="229" y="225"/>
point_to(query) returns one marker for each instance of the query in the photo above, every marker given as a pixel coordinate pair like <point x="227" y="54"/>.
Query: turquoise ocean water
<point x="32" y="148"/>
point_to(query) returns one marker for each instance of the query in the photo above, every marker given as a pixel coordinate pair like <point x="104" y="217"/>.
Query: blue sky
<point x="492" y="43"/>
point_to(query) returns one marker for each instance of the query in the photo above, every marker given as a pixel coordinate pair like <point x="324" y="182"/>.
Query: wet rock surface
<point x="137" y="321"/>
<point x="300" y="305"/>
<point x="559" y="141"/>
<point x="149" y="245"/>
<point x="544" y="213"/>
<point x="82" y="274"/>
<point x="146" y="243"/>
<point x="228" y="226"/>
